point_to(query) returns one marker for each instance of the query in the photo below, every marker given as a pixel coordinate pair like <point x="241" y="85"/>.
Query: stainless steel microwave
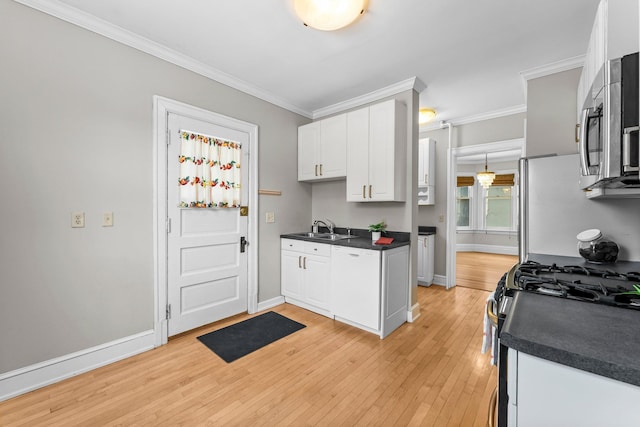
<point x="608" y="142"/>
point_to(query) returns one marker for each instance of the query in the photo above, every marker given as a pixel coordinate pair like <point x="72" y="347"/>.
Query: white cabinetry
<point x="578" y="398"/>
<point x="322" y="149"/>
<point x="305" y="274"/>
<point x="426" y="171"/>
<point x="376" y="153"/>
<point x="613" y="35"/>
<point x="426" y="246"/>
<point x="369" y="288"/>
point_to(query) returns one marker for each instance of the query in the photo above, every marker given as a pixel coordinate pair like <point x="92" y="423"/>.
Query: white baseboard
<point x="414" y="313"/>
<point x="491" y="249"/>
<point x="440" y="280"/>
<point x="270" y="303"/>
<point x="23" y="380"/>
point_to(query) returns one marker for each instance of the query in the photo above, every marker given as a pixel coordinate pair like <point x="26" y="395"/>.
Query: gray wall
<point x="552" y="113"/>
<point x="482" y="132"/>
<point x="76" y="121"/>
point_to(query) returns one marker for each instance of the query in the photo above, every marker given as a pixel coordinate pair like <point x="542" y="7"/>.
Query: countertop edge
<point x="574" y="360"/>
<point x="357" y="242"/>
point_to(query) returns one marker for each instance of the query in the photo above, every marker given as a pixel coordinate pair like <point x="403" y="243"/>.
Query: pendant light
<point x="329" y="15"/>
<point x="486" y="178"/>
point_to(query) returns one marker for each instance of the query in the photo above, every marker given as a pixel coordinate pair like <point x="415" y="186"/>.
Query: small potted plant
<point x="377" y="230"/>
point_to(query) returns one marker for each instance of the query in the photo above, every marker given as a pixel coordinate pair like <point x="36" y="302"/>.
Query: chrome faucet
<point x="330" y="225"/>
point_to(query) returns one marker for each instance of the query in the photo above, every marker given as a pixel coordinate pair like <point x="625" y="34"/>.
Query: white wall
<point x="76" y="121"/>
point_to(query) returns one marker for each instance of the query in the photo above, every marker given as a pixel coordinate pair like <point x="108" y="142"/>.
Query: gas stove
<point x="595" y="284"/>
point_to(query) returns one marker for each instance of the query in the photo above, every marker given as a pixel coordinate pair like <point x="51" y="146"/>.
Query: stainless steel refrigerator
<point x="553" y="210"/>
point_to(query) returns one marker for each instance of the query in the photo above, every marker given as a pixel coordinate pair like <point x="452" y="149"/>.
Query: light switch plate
<point x="270" y="217"/>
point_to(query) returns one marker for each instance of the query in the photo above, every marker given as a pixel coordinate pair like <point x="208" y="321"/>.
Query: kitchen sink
<point x="325" y="236"/>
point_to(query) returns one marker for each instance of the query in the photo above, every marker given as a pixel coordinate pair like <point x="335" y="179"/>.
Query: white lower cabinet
<point x="305" y="274"/>
<point x="356" y="283"/>
<point x="365" y="288"/>
<point x="426" y="259"/>
<point x="369" y="288"/>
<point x="545" y="393"/>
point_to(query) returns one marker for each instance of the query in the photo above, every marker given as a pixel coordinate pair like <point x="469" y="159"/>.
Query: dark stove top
<point x="596" y="284"/>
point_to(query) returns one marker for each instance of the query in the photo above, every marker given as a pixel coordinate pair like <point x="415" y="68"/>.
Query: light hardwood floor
<point x="428" y="373"/>
<point x="479" y="270"/>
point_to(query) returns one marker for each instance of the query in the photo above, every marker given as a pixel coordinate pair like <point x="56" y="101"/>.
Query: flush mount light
<point x="486" y="178"/>
<point x="329" y="15"/>
<point x="426" y="115"/>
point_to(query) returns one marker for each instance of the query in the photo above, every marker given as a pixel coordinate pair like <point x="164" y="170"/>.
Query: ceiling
<point x="469" y="54"/>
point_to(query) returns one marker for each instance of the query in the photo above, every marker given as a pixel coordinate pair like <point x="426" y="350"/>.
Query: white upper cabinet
<point x="322" y="149"/>
<point x="613" y="35"/>
<point x="376" y="153"/>
<point x="426" y="171"/>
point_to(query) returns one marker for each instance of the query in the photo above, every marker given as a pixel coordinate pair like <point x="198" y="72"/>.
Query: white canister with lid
<point x="596" y="248"/>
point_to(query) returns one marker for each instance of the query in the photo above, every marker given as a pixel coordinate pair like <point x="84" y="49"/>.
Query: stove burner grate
<point x="578" y="283"/>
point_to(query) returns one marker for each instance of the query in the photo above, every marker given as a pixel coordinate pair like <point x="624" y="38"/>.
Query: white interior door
<point x="206" y="265"/>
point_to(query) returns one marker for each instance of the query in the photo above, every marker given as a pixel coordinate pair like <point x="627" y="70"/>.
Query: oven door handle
<point x="493" y="403"/>
<point x="491" y="312"/>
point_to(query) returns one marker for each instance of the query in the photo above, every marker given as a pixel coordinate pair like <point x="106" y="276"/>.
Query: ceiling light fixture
<point x="425" y="115"/>
<point x="486" y="178"/>
<point x="329" y="15"/>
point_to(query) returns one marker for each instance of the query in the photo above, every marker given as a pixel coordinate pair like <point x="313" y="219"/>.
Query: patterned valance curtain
<point x="209" y="172"/>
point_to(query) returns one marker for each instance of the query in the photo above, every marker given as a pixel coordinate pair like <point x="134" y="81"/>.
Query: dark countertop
<point x="362" y="241"/>
<point x="591" y="337"/>
<point x="424" y="230"/>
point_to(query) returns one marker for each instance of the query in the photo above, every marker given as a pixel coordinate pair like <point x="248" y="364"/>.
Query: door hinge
<point x="168" y="312"/>
<point x="168" y="225"/>
<point x="168" y="136"/>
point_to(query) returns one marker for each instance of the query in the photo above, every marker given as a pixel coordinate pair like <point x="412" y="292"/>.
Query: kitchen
<point x="144" y="78"/>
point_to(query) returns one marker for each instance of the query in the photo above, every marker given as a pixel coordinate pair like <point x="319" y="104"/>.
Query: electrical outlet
<point x="77" y="220"/>
<point x="270" y="217"/>
<point x="107" y="219"/>
<point x="441" y="218"/>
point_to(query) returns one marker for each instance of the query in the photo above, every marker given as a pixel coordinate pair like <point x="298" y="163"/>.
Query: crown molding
<point x="554" y="67"/>
<point x="517" y="109"/>
<point x="408" y="84"/>
<point x="126" y="37"/>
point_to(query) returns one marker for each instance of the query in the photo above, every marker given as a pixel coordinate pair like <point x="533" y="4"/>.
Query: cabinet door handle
<point x="320" y="169"/>
<point x="299" y="261"/>
<point x="424" y="242"/>
<point x="363" y="191"/>
<point x="370" y="190"/>
<point x="426" y="179"/>
<point x="316" y="173"/>
<point x="304" y="263"/>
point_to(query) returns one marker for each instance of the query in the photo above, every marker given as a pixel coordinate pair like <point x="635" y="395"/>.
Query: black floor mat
<point x="242" y="338"/>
